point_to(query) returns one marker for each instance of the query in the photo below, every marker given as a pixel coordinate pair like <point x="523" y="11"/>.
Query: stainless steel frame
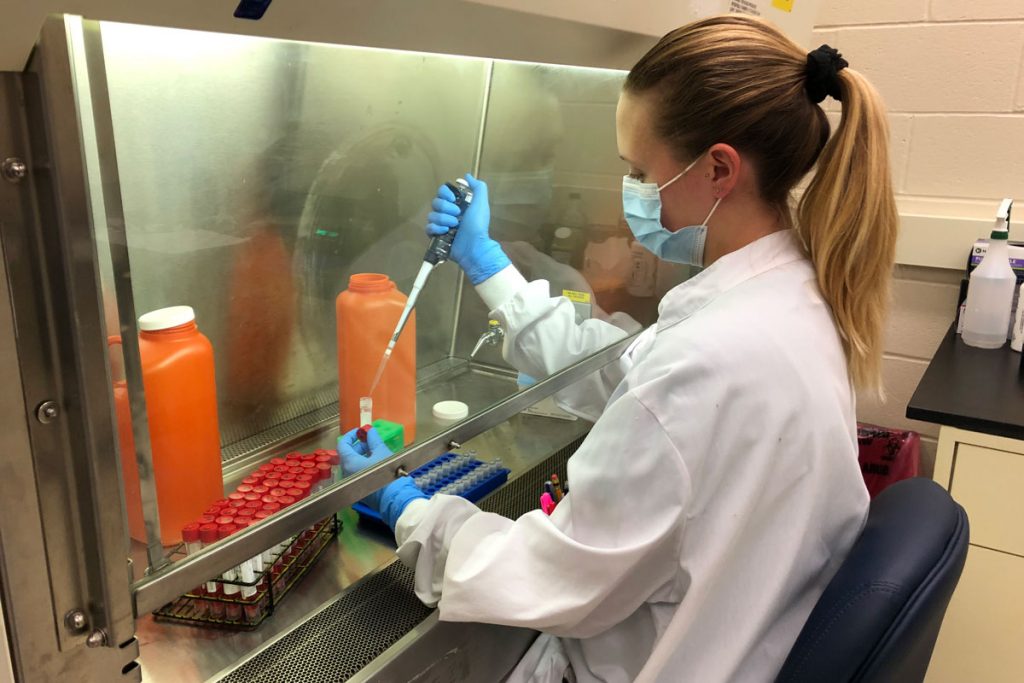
<point x="92" y="80"/>
<point x="63" y="544"/>
<point x="62" y="528"/>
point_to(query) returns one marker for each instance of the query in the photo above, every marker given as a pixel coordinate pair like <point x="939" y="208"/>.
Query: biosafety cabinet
<point x="248" y="176"/>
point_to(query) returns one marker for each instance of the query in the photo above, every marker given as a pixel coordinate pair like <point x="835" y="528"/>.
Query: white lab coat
<point x="710" y="504"/>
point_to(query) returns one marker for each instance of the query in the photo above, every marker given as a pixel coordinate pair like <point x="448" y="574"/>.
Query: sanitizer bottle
<point x="990" y="293"/>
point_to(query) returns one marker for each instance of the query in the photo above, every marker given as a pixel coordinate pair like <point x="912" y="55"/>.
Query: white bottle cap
<point x="563" y="233"/>
<point x="166" y="318"/>
<point x="450" y="411"/>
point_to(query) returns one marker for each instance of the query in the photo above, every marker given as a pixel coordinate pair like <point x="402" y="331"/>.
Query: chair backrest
<point x="880" y="615"/>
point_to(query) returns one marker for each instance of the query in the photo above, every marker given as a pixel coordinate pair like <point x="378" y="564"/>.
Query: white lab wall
<point x="952" y="75"/>
<point x="657" y="17"/>
<point x="448" y="26"/>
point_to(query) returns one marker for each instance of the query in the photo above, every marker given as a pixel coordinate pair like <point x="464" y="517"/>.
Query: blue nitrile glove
<point x="473" y="249"/>
<point x="389" y="501"/>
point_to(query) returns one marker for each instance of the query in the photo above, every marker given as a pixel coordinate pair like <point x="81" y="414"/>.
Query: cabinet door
<point x="988" y="483"/>
<point x="983" y="631"/>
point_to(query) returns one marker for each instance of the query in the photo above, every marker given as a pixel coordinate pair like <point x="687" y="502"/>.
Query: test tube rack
<point x="452" y="474"/>
<point x="215" y="609"/>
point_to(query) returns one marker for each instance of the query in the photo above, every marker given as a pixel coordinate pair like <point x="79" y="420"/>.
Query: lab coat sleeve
<point x="611" y="544"/>
<point x="542" y="337"/>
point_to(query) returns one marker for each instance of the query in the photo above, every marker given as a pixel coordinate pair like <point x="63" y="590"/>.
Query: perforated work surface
<point x="348" y="634"/>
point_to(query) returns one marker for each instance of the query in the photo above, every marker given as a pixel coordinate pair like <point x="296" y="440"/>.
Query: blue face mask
<point x="641" y="203"/>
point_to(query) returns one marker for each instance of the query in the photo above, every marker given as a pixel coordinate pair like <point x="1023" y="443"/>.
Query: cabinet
<point x="982" y="633"/>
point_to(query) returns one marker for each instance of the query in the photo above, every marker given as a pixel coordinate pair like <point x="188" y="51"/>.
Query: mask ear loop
<point x="713" y="209"/>
<point x="681" y="173"/>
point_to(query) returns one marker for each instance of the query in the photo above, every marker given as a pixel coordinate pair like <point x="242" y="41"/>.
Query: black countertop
<point x="975" y="389"/>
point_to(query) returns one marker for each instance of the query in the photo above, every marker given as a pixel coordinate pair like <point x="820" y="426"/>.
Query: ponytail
<point x="739" y="80"/>
<point x="847" y="219"/>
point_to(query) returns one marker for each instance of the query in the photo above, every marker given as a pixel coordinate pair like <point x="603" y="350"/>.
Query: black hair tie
<point x="823" y="67"/>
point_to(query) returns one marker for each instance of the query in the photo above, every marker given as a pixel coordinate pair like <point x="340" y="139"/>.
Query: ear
<point x="725" y="168"/>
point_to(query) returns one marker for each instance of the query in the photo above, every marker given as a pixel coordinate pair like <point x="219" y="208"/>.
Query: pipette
<point x="437" y="253"/>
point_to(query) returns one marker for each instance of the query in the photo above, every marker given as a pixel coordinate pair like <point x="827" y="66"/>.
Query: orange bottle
<point x="181" y="404"/>
<point x="367" y="314"/>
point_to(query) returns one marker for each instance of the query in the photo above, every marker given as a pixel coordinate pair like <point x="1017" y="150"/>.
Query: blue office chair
<point x="880" y="615"/>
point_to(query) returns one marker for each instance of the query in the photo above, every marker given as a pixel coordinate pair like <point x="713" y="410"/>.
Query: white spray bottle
<point x="990" y="292"/>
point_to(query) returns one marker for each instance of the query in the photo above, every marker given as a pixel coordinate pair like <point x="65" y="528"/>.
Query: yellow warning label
<point x="784" y="5"/>
<point x="576" y="297"/>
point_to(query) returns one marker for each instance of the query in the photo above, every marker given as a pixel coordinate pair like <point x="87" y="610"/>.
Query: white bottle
<point x="990" y="292"/>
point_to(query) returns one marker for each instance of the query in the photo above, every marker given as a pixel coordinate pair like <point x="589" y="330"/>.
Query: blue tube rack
<point x="472" y="493"/>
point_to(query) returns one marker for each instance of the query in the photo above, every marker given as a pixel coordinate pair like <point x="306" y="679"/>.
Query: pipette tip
<point x="380" y="368"/>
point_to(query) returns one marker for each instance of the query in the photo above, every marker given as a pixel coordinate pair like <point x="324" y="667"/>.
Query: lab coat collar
<point x="760" y="256"/>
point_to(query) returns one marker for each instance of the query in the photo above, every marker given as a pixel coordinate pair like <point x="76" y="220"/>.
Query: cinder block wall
<point x="952" y="75"/>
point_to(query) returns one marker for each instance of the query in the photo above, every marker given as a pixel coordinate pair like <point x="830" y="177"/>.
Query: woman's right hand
<point x="473" y="249"/>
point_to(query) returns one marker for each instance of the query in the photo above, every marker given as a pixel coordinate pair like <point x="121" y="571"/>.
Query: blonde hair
<point x="738" y="80"/>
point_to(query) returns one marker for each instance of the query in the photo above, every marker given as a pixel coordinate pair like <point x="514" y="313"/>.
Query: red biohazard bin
<point x="887" y="456"/>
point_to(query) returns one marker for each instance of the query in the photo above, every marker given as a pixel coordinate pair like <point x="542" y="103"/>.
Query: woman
<point x="719" y="489"/>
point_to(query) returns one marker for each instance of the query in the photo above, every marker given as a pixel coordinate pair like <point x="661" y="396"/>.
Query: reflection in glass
<point x="258" y="175"/>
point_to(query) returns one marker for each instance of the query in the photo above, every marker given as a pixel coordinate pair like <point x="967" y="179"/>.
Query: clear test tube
<point x="190" y="535"/>
<point x="267" y="556"/>
<point x="285" y="501"/>
<point x="365" y="410"/>
<point x="336" y="474"/>
<point x="232" y="611"/>
<point x="208" y="536"/>
<point x="244" y="518"/>
<point x="247" y="573"/>
<point x="322" y="477"/>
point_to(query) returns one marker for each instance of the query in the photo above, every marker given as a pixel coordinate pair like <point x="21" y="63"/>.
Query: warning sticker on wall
<point x="745" y="7"/>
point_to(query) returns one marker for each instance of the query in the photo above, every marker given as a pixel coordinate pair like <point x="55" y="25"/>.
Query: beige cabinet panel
<point x="989" y="484"/>
<point x="983" y="633"/>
